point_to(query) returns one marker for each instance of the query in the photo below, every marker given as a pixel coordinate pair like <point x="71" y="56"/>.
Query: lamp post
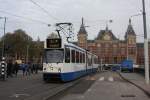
<point x="145" y="45"/>
<point x="146" y="56"/>
<point x="3" y="49"/>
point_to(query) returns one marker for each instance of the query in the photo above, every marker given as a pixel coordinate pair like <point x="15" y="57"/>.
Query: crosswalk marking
<point x="101" y="78"/>
<point x="110" y="79"/>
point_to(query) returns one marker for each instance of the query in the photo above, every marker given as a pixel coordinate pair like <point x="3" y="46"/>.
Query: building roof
<point x="90" y="41"/>
<point x="102" y="32"/>
<point x="122" y="41"/>
<point x="130" y="30"/>
<point x="82" y="28"/>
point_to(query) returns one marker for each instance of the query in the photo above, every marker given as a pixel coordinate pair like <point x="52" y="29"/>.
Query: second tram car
<point x="66" y="61"/>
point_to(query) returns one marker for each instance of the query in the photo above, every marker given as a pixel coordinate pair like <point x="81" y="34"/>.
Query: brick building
<point x="111" y="50"/>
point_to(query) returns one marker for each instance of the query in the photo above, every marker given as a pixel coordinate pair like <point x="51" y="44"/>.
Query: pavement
<point x="30" y="87"/>
<point x="100" y="86"/>
<point x="103" y="86"/>
<point x="137" y="80"/>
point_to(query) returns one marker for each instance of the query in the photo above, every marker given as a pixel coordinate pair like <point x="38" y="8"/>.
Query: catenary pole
<point x="3" y="49"/>
<point x="145" y="45"/>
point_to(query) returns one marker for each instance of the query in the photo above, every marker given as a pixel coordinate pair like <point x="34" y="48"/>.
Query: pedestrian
<point x="9" y="69"/>
<point x="16" y="68"/>
<point x="13" y="67"/>
<point x="36" y="68"/>
<point x="33" y="65"/>
<point x="28" y="68"/>
<point x="23" y="66"/>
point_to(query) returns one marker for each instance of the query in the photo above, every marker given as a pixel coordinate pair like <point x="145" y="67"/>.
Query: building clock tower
<point x="82" y="36"/>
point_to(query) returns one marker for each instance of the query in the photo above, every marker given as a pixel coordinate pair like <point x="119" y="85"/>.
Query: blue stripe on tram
<point x="73" y="75"/>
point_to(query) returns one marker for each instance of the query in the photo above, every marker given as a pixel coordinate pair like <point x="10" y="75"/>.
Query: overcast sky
<point x="95" y="13"/>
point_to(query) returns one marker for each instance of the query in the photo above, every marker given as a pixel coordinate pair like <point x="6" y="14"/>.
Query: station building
<point x="111" y="50"/>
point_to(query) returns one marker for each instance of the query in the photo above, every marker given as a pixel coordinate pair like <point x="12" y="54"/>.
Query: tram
<point x="66" y="61"/>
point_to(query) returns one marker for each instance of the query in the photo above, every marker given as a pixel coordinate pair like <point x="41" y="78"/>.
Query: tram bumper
<point x="51" y="76"/>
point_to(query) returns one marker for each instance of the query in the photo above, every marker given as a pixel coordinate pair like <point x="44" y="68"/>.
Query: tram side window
<point x="96" y="60"/>
<point x="67" y="55"/>
<point x="89" y="60"/>
<point x="81" y="58"/>
<point x="73" y="56"/>
<point x="77" y="57"/>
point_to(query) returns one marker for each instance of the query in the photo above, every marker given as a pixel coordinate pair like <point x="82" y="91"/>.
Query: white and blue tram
<point x="66" y="61"/>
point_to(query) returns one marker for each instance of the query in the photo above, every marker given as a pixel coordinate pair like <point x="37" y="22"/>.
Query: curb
<point x="144" y="90"/>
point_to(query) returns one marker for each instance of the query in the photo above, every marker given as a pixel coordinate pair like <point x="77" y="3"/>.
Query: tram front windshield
<point x="54" y="55"/>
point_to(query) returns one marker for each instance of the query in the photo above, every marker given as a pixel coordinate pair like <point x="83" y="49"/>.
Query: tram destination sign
<point x="53" y="43"/>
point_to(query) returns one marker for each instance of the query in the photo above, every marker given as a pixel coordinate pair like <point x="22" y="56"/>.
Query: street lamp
<point x="145" y="45"/>
<point x="3" y="49"/>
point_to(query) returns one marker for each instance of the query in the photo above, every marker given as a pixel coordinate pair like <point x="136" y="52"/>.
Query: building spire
<point x="130" y="30"/>
<point x="82" y="21"/>
<point x="106" y="28"/>
<point x="82" y="28"/>
<point x="129" y="21"/>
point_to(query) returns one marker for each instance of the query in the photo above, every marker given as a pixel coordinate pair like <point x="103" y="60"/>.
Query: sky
<point x="96" y="14"/>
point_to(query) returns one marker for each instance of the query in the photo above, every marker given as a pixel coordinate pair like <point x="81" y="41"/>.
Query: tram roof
<point x="77" y="47"/>
<point x="74" y="46"/>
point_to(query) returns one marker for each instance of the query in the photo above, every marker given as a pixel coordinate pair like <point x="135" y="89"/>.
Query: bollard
<point x="3" y="69"/>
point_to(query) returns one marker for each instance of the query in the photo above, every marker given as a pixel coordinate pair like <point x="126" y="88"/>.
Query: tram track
<point x="45" y="94"/>
<point x="28" y="88"/>
<point x="126" y="90"/>
<point x="57" y="90"/>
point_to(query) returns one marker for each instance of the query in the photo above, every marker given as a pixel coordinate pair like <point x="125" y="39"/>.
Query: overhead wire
<point x="43" y="9"/>
<point x="18" y="16"/>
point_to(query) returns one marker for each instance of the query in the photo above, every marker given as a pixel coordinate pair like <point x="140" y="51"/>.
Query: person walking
<point x="16" y="68"/>
<point x="33" y="66"/>
<point x="23" y="68"/>
<point x="36" y="68"/>
<point x="28" y="68"/>
<point x="9" y="69"/>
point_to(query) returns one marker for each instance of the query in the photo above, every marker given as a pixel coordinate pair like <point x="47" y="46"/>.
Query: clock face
<point x="106" y="37"/>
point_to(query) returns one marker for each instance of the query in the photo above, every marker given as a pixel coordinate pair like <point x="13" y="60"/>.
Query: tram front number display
<point x="53" y="43"/>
